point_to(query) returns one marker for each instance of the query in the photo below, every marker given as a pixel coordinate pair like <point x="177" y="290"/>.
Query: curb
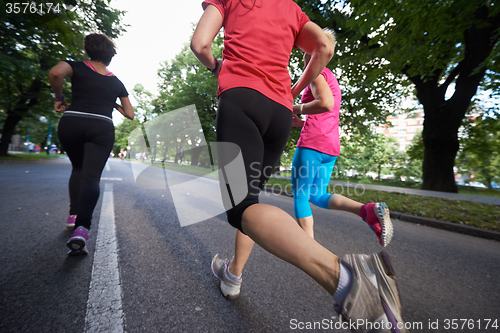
<point x="454" y="227"/>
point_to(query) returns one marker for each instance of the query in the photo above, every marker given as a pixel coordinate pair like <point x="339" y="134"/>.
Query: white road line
<point x="104" y="305"/>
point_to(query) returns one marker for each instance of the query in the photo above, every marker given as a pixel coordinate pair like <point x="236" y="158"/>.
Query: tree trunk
<point x="440" y="149"/>
<point x="26" y="101"/>
<point x="9" y="127"/>
<point x="444" y="117"/>
<point x="195" y="155"/>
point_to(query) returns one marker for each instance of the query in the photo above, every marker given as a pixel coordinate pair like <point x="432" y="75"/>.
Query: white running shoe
<point x="230" y="287"/>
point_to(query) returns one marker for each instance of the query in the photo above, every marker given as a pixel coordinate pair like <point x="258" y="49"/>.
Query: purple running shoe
<point x="71" y="221"/>
<point x="78" y="243"/>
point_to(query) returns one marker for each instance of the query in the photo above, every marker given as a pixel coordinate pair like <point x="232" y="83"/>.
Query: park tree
<point x="365" y="155"/>
<point x="144" y="110"/>
<point x="32" y="40"/>
<point x="381" y="151"/>
<point x="122" y="133"/>
<point x="433" y="47"/>
<point x="410" y="163"/>
<point x="480" y="153"/>
<point x="185" y="81"/>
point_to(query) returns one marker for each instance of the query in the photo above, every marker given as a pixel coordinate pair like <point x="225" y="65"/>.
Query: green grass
<point x="486" y="192"/>
<point x="470" y="213"/>
<point x="29" y="156"/>
<point x="179" y="167"/>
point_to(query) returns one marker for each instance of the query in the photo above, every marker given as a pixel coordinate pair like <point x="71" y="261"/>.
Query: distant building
<point x="404" y="127"/>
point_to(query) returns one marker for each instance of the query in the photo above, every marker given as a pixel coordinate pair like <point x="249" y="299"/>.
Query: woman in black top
<point x="86" y="130"/>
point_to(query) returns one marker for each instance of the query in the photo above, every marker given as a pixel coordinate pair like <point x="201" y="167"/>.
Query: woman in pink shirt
<point x="255" y="114"/>
<point x="316" y="153"/>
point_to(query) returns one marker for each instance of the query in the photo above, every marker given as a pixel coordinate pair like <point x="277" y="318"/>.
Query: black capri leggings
<point x="260" y="127"/>
<point x="88" y="141"/>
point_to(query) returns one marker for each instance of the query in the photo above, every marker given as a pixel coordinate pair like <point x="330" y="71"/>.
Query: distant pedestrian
<point x="53" y="149"/>
<point x="181" y="155"/>
<point x="37" y="149"/>
<point x="86" y="129"/>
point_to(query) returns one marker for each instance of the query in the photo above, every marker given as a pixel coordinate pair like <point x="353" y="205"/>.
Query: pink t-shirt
<point x="258" y="40"/>
<point x="321" y="131"/>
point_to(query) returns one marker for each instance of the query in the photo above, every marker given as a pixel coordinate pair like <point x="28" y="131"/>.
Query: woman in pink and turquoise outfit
<point x="316" y="153"/>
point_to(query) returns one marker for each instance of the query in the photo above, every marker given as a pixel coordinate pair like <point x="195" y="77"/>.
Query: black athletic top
<point x="93" y="92"/>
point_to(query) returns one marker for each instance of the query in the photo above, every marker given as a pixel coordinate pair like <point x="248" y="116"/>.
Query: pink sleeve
<point x="327" y="74"/>
<point x="217" y="3"/>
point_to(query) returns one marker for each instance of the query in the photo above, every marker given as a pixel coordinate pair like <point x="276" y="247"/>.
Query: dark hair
<point x="99" y="47"/>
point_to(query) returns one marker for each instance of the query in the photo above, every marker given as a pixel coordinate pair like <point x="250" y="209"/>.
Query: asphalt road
<point x="448" y="282"/>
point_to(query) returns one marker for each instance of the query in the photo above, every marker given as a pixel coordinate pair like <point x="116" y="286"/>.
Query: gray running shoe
<point x="230" y="287"/>
<point x="372" y="304"/>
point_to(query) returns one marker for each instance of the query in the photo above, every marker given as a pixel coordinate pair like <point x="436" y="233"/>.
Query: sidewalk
<point x="455" y="227"/>
<point x="422" y="193"/>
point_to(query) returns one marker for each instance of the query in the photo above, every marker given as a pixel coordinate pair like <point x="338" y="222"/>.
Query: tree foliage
<point x="430" y="46"/>
<point x="480" y="152"/>
<point x="184" y="81"/>
<point x="30" y="44"/>
<point x="410" y="164"/>
<point x="365" y="158"/>
<point x="122" y="132"/>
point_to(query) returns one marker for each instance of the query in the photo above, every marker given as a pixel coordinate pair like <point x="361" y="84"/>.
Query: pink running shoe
<point x="71" y="221"/>
<point x="78" y="243"/>
<point x="379" y="219"/>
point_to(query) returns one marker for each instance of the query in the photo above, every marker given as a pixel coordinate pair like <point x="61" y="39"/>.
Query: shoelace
<point x="338" y="318"/>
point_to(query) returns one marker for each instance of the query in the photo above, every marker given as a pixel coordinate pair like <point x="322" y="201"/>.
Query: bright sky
<point x="158" y="30"/>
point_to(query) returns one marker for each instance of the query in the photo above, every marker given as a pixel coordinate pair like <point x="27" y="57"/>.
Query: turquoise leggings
<point x="311" y="172"/>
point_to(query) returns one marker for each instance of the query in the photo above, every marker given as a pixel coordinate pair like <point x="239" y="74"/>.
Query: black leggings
<point x="260" y="127"/>
<point x="88" y="142"/>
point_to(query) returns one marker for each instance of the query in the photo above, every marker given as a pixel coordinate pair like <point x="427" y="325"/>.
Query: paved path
<point x="424" y="193"/>
<point x="163" y="267"/>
